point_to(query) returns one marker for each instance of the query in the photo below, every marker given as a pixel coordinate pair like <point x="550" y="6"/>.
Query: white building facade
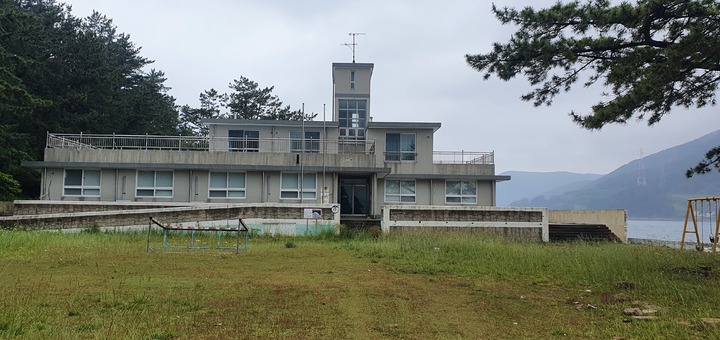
<point x="352" y="160"/>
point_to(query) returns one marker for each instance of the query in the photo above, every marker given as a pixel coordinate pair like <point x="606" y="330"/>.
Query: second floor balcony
<point x="210" y="144"/>
<point x="262" y="145"/>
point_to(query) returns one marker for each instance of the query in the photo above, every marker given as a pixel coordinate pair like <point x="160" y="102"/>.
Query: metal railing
<point x="463" y="157"/>
<point x="191" y="143"/>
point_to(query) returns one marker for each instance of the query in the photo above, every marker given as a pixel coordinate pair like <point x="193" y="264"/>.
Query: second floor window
<point x="399" y="147"/>
<point x="312" y="141"/>
<point x="244" y="140"/>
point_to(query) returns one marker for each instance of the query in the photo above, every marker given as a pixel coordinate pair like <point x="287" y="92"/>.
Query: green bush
<point x="9" y="187"/>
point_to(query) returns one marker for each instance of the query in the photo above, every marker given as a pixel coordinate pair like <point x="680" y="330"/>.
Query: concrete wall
<point x="104" y="158"/>
<point x="7" y="208"/>
<point x="615" y="220"/>
<point x="522" y="223"/>
<point x="267" y="218"/>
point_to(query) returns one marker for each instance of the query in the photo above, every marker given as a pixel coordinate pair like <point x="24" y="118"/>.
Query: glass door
<point x="354" y="196"/>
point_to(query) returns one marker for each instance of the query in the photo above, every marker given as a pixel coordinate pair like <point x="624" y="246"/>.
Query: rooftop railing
<point x="192" y="143"/>
<point x="463" y="157"/>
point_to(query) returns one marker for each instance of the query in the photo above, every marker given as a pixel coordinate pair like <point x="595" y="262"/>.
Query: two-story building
<point x="352" y="160"/>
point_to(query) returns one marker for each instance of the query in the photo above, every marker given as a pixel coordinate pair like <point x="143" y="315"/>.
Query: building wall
<point x="146" y="159"/>
<point x="423" y="163"/>
<point x="188" y="186"/>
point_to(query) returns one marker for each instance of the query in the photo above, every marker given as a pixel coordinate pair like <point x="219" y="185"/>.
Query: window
<point x="352" y="80"/>
<point x="291" y="182"/>
<point x="82" y="183"/>
<point x="399" y="191"/>
<point x="399" y="147"/>
<point x="312" y="141"/>
<point x="154" y="184"/>
<point x="244" y="141"/>
<point x="462" y="192"/>
<point x="227" y="185"/>
<point x="352" y="118"/>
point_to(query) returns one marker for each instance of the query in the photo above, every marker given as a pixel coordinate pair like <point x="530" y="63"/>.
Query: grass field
<point x="418" y="286"/>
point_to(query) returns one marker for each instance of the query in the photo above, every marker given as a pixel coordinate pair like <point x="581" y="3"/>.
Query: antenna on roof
<point x="353" y="44"/>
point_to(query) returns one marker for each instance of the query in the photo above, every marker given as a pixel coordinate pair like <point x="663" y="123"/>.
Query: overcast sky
<point x="418" y="49"/>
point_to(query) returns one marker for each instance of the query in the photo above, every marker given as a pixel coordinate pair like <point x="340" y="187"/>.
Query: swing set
<point x="702" y="210"/>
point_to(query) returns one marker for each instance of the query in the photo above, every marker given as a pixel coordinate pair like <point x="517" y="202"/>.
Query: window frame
<point x="84" y="188"/>
<point x="227" y="189"/>
<point x="300" y="188"/>
<point x="400" y="195"/>
<point x="154" y="189"/>
<point x="461" y="196"/>
<point x="400" y="155"/>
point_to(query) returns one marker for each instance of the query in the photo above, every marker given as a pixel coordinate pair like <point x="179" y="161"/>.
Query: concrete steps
<point x="586" y="232"/>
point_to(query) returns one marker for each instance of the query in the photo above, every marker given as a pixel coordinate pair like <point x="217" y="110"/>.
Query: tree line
<point x="65" y="74"/>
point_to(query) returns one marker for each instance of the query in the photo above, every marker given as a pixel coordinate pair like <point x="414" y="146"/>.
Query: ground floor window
<point x="295" y="185"/>
<point x="463" y="192"/>
<point x="81" y="183"/>
<point x="227" y="185"/>
<point x="154" y="184"/>
<point x="400" y="191"/>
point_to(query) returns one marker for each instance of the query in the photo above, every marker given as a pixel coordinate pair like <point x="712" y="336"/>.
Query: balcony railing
<point x="463" y="157"/>
<point x="191" y="143"/>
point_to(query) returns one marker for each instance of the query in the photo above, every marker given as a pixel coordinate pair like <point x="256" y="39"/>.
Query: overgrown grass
<point x="361" y="285"/>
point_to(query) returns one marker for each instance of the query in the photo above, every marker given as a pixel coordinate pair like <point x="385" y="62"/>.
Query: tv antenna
<point x="353" y="44"/>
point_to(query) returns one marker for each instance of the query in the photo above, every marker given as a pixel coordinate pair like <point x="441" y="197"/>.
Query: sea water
<point x="665" y="230"/>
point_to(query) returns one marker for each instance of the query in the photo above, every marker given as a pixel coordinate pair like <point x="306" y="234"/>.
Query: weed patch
<point x="351" y="285"/>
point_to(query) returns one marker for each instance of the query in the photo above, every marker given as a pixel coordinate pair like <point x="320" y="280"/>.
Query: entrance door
<point x="354" y="196"/>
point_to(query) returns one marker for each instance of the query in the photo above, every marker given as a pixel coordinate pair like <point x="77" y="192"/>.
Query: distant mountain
<point x="527" y="185"/>
<point x="652" y="187"/>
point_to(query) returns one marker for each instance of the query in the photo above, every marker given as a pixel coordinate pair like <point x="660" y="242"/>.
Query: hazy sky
<point x="418" y="49"/>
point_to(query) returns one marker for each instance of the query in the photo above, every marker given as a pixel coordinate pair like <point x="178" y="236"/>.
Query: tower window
<point x="352" y="80"/>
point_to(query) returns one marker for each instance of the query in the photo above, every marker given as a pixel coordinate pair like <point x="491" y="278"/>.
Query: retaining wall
<point x="6" y="208"/>
<point x="616" y="220"/>
<point x="265" y="218"/>
<point x="520" y="223"/>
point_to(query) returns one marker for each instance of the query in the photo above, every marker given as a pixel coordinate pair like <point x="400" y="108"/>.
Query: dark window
<point x="244" y="140"/>
<point x="399" y="147"/>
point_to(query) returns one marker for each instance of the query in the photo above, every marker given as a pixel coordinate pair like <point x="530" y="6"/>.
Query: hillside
<point x="654" y="187"/>
<point x="526" y="185"/>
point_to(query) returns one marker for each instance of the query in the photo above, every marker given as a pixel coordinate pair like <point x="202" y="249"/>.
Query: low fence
<point x="518" y="223"/>
<point x="239" y="230"/>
